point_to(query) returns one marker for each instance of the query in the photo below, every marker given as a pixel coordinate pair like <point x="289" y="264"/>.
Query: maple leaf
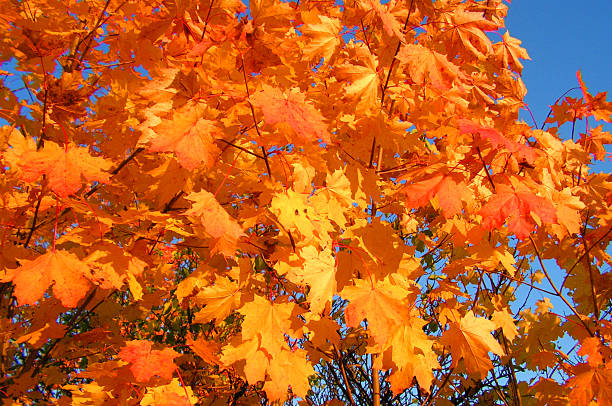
<point x="62" y="269"/>
<point x="146" y="362"/>
<point x="270" y="11"/>
<point x="424" y="63"/>
<point x="217" y="223"/>
<point x="288" y="367"/>
<point x="207" y="350"/>
<point x="517" y="207"/>
<point x="589" y="383"/>
<point x="549" y="392"/>
<point x="65" y="168"/>
<point x="410" y="355"/>
<point x="470" y="338"/>
<point x="190" y="136"/>
<point x="319" y="272"/>
<point x="256" y="360"/>
<point x="390" y="24"/>
<point x="364" y="82"/>
<point x="220" y="300"/>
<point x="466" y="32"/>
<point x="296" y="212"/>
<point x="382" y="304"/>
<point x="448" y="191"/>
<point x="172" y="394"/>
<point x="268" y="321"/>
<point x="293" y="109"/>
<point x="597" y="104"/>
<point x="496" y="139"/>
<point x="505" y="321"/>
<point x="324" y="37"/>
<point x="510" y="52"/>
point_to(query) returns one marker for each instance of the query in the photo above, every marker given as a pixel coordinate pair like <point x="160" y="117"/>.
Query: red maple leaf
<point x="496" y="139"/>
<point x="147" y="362"/>
<point x="517" y="207"/>
<point x="293" y="109"/>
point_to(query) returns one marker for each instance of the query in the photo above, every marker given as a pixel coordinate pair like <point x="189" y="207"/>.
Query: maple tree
<point x="319" y="202"/>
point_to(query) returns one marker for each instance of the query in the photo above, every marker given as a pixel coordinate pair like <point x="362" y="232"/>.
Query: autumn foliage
<point x="316" y="201"/>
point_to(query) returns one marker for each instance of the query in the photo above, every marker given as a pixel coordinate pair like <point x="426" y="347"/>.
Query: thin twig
<point x="485" y="168"/>
<point x="552" y="284"/>
<point x="33" y="227"/>
<point x="586" y="252"/>
<point x="241" y="148"/>
<point x="263" y="150"/>
<point x="591" y="278"/>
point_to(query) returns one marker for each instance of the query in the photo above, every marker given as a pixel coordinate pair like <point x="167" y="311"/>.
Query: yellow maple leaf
<point x="319" y="272"/>
<point x="323" y="36"/>
<point x="364" y="82"/>
<point x="470" y="338"/>
<point x="219" y="300"/>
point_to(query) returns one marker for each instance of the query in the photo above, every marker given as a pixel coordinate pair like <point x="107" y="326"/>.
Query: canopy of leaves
<point x="316" y="202"/>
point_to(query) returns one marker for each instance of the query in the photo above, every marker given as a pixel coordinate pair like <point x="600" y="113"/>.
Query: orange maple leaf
<point x="62" y="269"/>
<point x="364" y="82"/>
<point x="496" y="139"/>
<point x="318" y="271"/>
<point x="510" y="52"/>
<point x="590" y="382"/>
<point x="324" y="37"/>
<point x="288" y="368"/>
<point x="64" y="168"/>
<point x="146" y="362"/>
<point x="217" y="223"/>
<point x="382" y="304"/>
<point x="292" y="108"/>
<point x="449" y="193"/>
<point x="207" y="350"/>
<point x="470" y="338"/>
<point x="466" y="30"/>
<point x="411" y="355"/>
<point x="268" y="321"/>
<point x="390" y="24"/>
<point x="190" y="136"/>
<point x="517" y="207"/>
<point x="424" y="63"/>
<point x="173" y="394"/>
<point x="220" y="300"/>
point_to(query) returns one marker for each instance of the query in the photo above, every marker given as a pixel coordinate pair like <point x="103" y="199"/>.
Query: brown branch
<point x="552" y="284"/>
<point x="206" y="27"/>
<point x="169" y="205"/>
<point x="242" y="148"/>
<point x="115" y="171"/>
<point x="384" y="88"/>
<point x="586" y="252"/>
<point x="397" y="49"/>
<point x="44" y="358"/>
<point x="375" y="384"/>
<point x="517" y="396"/>
<point x="33" y="227"/>
<point x="346" y="381"/>
<point x="432" y="396"/>
<point x="41" y="140"/>
<point x="485" y="168"/>
<point x="591" y="279"/>
<point x="246" y="85"/>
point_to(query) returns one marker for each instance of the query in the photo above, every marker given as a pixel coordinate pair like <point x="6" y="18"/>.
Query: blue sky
<point x="561" y="37"/>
